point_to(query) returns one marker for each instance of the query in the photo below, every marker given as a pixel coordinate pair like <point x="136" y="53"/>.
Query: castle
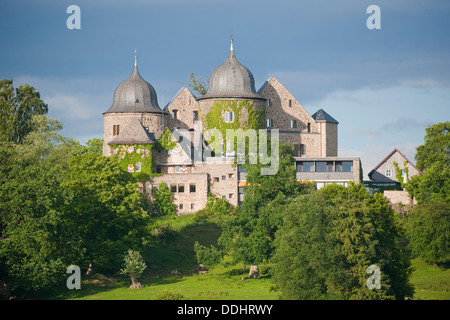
<point x="134" y="123"/>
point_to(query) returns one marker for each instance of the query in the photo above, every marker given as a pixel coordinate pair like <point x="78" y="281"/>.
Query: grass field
<point x="431" y="283"/>
<point x="172" y="249"/>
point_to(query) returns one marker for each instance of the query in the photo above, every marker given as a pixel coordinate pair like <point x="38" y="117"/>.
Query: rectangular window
<point x="290" y="103"/>
<point x="230" y="195"/>
<point x="177" y="169"/>
<point x="174" y="114"/>
<point x="388" y="173"/>
<point x="192" y="206"/>
<point x="305" y="166"/>
<point x="116" y="129"/>
<point x="216" y="179"/>
<point x="173" y="188"/>
<point x="299" y="150"/>
<point x="224" y="177"/>
<point x="347" y="166"/>
<point x="181" y="188"/>
<point x="338" y="166"/>
<point x="269" y="123"/>
<point x="195" y="115"/>
<point x="229" y="116"/>
<point x="293" y="124"/>
<point x="309" y="127"/>
<point x="230" y="176"/>
<point x="192" y="188"/>
<point x="321" y="166"/>
<point x="329" y="166"/>
<point x="268" y="102"/>
<point x="180" y="206"/>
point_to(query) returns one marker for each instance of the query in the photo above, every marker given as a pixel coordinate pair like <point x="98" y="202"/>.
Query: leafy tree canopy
<point x="429" y="231"/>
<point x="436" y="148"/>
<point x="17" y="107"/>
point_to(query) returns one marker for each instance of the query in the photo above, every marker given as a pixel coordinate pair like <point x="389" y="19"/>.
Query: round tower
<point x="134" y="98"/>
<point x="231" y="81"/>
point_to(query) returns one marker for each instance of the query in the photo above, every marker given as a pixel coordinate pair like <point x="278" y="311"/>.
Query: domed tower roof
<point x="135" y="95"/>
<point x="231" y="80"/>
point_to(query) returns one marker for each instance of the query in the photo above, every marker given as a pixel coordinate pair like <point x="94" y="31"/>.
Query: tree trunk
<point x="134" y="283"/>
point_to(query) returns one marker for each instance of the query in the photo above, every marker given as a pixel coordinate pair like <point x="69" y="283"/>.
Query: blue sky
<point x="383" y="86"/>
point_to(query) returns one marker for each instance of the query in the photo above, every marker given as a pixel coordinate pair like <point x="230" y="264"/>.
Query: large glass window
<point x="329" y="166"/>
<point x="321" y="166"/>
<point x="347" y="166"/>
<point x="305" y="166"/>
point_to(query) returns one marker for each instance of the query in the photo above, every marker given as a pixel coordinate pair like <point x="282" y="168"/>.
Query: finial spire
<point x="231" y="46"/>
<point x="135" y="58"/>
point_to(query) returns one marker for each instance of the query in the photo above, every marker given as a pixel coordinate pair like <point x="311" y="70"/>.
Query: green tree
<point x="429" y="231"/>
<point x="308" y="259"/>
<point x="134" y="267"/>
<point x="205" y="255"/>
<point x="94" y="145"/>
<point x="35" y="248"/>
<point x="432" y="185"/>
<point x="17" y="107"/>
<point x="369" y="232"/>
<point x="328" y="240"/>
<point x="103" y="209"/>
<point x="249" y="234"/>
<point x="163" y="200"/>
<point x="436" y="147"/>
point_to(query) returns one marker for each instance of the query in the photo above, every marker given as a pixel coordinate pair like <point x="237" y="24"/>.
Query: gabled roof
<point x="176" y="96"/>
<point x="264" y="85"/>
<point x="390" y="155"/>
<point x="133" y="133"/>
<point x="321" y="115"/>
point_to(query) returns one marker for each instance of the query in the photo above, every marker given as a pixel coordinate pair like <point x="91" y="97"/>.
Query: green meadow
<point x="169" y="275"/>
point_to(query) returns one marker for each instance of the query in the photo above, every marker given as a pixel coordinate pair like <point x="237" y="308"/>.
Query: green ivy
<point x="126" y="158"/>
<point x="398" y="172"/>
<point x="214" y="119"/>
<point x="166" y="141"/>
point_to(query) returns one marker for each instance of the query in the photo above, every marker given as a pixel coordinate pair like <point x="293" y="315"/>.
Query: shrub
<point x="205" y="255"/>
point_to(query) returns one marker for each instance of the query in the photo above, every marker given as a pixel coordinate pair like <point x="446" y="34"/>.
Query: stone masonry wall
<point x="191" y="201"/>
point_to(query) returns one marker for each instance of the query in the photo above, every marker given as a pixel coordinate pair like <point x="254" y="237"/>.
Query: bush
<point x="205" y="255"/>
<point x="218" y="207"/>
